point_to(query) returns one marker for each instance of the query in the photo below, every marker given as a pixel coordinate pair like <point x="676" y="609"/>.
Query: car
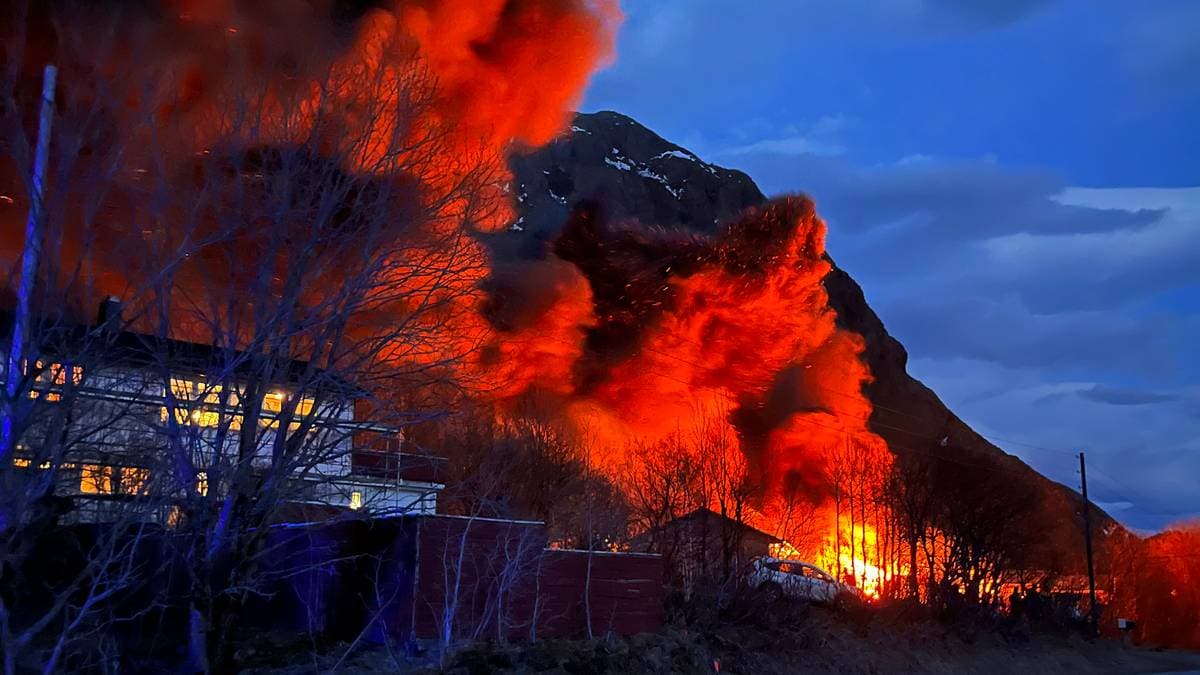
<point x="798" y="580"/>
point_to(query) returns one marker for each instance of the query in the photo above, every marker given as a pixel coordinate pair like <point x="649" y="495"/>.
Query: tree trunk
<point x="912" y="570"/>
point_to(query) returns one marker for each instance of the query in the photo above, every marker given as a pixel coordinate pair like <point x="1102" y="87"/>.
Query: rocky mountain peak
<point x="613" y="160"/>
<point x="637" y="174"/>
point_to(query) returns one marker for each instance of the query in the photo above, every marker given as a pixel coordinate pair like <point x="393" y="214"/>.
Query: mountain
<point x="612" y="159"/>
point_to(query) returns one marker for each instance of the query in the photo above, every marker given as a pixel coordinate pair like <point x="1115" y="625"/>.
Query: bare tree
<point x="518" y="466"/>
<point x="65" y="405"/>
<point x="725" y="484"/>
<point x="911" y="499"/>
<point x="285" y="258"/>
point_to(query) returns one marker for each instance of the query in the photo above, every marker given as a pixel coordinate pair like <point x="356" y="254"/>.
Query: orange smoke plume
<point x="678" y="326"/>
<point x="501" y="72"/>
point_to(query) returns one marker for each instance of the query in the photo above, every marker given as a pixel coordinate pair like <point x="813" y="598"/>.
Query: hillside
<point x="637" y="175"/>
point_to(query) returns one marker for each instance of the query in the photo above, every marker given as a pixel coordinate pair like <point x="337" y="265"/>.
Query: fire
<point x="866" y="576"/>
<point x="850" y="566"/>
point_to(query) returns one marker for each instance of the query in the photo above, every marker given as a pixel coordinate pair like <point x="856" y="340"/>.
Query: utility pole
<point x="29" y="265"/>
<point x="1087" y="538"/>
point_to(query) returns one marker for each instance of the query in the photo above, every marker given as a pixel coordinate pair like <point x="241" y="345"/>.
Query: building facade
<point x="117" y="423"/>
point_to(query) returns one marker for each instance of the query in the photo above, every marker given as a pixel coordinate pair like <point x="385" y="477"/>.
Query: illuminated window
<point x="202" y="483"/>
<point x="304" y="407"/>
<point x="198" y="403"/>
<point x="51" y="378"/>
<point x="99" y="479"/>
<point x="273" y="404"/>
<point x="356" y="500"/>
<point x="133" y="480"/>
<point x="174" y="517"/>
<point x="95" y="479"/>
<point x="21" y="463"/>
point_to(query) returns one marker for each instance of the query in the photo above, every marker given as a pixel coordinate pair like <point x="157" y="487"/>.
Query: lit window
<point x="95" y="479"/>
<point x="273" y="404"/>
<point x="174" y="517"/>
<point x="99" y="479"/>
<point x="21" y="463"/>
<point x="356" y="500"/>
<point x="202" y="483"/>
<point x="198" y="403"/>
<point x="51" y="378"/>
<point x="304" y="407"/>
<point x="133" y="480"/>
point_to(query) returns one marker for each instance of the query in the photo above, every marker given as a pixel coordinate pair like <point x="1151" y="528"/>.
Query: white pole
<point x="29" y="265"/>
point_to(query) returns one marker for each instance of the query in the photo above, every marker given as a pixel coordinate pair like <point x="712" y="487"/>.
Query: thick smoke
<point x="505" y="70"/>
<point x="477" y="76"/>
<point x="679" y="325"/>
<point x="431" y="93"/>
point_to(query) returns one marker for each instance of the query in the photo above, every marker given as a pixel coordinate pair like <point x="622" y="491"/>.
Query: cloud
<point x="1142" y="455"/>
<point x="788" y="145"/>
<point x="1109" y="267"/>
<point x="1110" y="395"/>
<point x="994" y="230"/>
<point x="947" y="199"/>
<point x="956" y="323"/>
<point x="1119" y="396"/>
<point x="819" y="138"/>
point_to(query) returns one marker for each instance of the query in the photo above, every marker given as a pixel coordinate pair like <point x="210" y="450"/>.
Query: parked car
<point x="798" y="580"/>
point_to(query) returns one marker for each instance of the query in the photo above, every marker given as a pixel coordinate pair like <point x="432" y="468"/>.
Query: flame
<point x="866" y="576"/>
<point x="835" y="557"/>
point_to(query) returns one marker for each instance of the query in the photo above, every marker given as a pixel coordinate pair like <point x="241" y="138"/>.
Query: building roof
<point x="94" y="342"/>
<point x="705" y="518"/>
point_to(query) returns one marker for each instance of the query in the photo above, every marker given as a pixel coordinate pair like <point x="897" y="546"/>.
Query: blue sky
<point x="1014" y="183"/>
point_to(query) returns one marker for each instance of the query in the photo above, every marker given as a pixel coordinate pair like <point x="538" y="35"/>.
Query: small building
<point x="705" y="545"/>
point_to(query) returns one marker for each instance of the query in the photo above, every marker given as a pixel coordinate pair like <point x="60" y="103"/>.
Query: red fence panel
<point x="482" y="578"/>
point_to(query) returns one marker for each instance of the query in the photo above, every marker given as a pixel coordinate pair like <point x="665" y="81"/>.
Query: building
<point x="705" y="545"/>
<point x="124" y="422"/>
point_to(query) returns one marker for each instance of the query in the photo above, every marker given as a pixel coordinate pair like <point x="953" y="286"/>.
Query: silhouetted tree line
<point x="964" y="522"/>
